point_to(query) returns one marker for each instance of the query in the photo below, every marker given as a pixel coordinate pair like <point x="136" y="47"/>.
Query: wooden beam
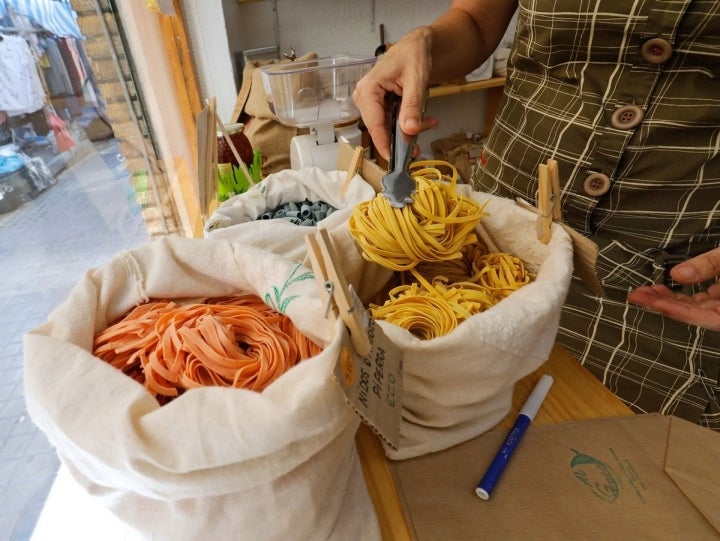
<point x="182" y="65"/>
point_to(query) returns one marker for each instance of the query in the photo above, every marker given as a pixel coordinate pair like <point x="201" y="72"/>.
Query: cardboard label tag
<point x="372" y="384"/>
<point x="585" y="254"/>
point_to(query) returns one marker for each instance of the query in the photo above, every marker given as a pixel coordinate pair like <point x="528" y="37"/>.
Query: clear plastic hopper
<point x="316" y="94"/>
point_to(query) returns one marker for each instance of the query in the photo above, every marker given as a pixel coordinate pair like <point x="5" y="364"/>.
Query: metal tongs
<point x="398" y="185"/>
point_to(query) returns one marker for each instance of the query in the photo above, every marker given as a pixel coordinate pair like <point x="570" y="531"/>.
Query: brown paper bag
<point x="636" y="477"/>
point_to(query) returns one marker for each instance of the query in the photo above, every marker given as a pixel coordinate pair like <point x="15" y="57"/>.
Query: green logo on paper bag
<point x="596" y="475"/>
<point x="601" y="479"/>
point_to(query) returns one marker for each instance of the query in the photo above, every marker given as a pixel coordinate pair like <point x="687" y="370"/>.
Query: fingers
<point x="689" y="313"/>
<point x="369" y="98"/>
<point x="702" y="310"/>
<point x="645" y="296"/>
<point x="412" y="108"/>
<point x="375" y="119"/>
<point x="404" y="70"/>
<point x="697" y="269"/>
<point x="714" y="291"/>
<point x="381" y="139"/>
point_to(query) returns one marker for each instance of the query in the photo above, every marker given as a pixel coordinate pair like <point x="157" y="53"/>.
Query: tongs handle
<point x="401" y="144"/>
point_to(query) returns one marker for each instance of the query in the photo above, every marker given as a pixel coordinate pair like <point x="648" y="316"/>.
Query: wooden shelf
<point x="449" y="89"/>
<point x="494" y="86"/>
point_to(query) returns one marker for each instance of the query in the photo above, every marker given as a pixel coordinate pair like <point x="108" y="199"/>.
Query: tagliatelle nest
<point x="447" y="274"/>
<point x="229" y="342"/>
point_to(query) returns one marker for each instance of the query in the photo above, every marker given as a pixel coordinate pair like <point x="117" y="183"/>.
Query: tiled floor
<point x="80" y="222"/>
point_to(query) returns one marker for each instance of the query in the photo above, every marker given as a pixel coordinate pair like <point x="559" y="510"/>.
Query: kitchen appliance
<point x="317" y="94"/>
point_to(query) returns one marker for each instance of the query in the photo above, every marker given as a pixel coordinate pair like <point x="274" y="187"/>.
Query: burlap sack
<point x="238" y="218"/>
<point x="461" y="151"/>
<point x="458" y="386"/>
<point x="265" y="132"/>
<point x="214" y="463"/>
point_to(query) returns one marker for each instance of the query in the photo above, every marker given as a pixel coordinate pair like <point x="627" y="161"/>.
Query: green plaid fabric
<point x="572" y="65"/>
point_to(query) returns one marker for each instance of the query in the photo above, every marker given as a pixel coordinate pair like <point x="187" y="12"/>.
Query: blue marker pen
<point x="524" y="418"/>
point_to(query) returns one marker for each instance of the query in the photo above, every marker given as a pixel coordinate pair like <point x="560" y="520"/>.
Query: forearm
<point x="452" y="46"/>
<point x="464" y="36"/>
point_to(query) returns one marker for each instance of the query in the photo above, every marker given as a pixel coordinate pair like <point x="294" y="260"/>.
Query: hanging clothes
<point x="73" y="64"/>
<point x="56" y="74"/>
<point x="21" y="90"/>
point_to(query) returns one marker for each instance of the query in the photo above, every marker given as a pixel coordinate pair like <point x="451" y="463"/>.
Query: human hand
<point x="701" y="309"/>
<point x="404" y="70"/>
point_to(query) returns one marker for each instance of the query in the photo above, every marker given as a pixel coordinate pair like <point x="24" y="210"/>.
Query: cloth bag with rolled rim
<point x="457" y="386"/>
<point x="214" y="463"/>
<point x="238" y="218"/>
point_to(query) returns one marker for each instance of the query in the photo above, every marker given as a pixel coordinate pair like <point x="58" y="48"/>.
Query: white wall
<point x="208" y="39"/>
<point x="327" y="27"/>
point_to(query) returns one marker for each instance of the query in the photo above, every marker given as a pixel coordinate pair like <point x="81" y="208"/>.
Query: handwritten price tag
<point x="372" y="384"/>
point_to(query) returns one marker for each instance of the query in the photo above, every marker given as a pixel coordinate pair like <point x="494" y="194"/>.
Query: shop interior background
<point x="119" y="95"/>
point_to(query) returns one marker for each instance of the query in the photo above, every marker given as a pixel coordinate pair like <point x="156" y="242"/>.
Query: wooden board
<point x="575" y="395"/>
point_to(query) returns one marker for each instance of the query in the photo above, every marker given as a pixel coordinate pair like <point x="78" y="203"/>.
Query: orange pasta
<point x="230" y="342"/>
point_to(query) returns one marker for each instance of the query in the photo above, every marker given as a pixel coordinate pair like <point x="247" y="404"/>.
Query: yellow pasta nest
<point x="446" y="274"/>
<point x="434" y="227"/>
<point x="435" y="311"/>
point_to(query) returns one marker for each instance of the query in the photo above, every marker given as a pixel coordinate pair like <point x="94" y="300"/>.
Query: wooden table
<point x="575" y="395"/>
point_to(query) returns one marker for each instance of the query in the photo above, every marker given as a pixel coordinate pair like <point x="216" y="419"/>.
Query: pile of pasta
<point x="234" y="341"/>
<point x="446" y="273"/>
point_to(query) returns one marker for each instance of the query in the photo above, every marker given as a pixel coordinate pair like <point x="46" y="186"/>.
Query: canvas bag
<point x="238" y="218"/>
<point x="214" y="463"/>
<point x="460" y="385"/>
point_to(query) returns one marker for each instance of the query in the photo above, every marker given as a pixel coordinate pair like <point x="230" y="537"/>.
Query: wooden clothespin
<point x="555" y="185"/>
<point x="324" y="263"/>
<point x="548" y="199"/>
<point x="353" y="168"/>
